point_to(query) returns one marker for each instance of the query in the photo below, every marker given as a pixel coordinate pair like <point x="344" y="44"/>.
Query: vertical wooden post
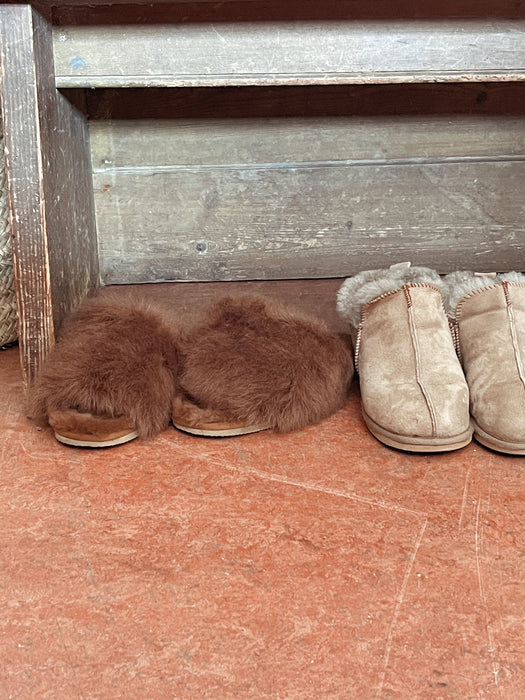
<point x="48" y="170"/>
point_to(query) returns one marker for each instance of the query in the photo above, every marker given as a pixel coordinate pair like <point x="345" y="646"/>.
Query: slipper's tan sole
<point x="72" y="427"/>
<point x="210" y="431"/>
<point x="416" y="444"/>
<point x="82" y="442"/>
<point x="494" y="443"/>
<point x="206" y="422"/>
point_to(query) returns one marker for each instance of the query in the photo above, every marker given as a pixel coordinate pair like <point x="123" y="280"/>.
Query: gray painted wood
<point x="48" y="181"/>
<point x="308" y="222"/>
<point x="287" y="53"/>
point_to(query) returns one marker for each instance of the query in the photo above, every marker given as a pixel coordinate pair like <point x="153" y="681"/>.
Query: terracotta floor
<point x="314" y="565"/>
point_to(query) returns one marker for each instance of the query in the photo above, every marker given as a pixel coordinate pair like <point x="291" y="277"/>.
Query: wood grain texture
<point x="301" y="101"/>
<point x="313" y="221"/>
<point x="48" y="180"/>
<point x="381" y="7"/>
<point x="144" y="144"/>
<point x="288" y="53"/>
<point x="295" y="198"/>
<point x="72" y="235"/>
<point x="146" y="11"/>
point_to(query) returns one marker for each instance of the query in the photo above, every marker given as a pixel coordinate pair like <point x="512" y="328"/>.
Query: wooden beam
<point x="232" y="199"/>
<point x="315" y="221"/>
<point x="143" y="11"/>
<point x="301" y="101"/>
<point x="48" y="174"/>
<point x="142" y="145"/>
<point x="289" y="53"/>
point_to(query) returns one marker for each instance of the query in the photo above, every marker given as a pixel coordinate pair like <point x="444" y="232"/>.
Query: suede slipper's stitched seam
<point x="513" y="332"/>
<point x="365" y="308"/>
<point x="417" y="356"/>
<point x="357" y="291"/>
<point x="459" y="307"/>
<point x="454" y="332"/>
<point x="459" y="312"/>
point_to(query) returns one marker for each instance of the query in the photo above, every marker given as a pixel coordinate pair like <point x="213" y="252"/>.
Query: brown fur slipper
<point x="111" y="376"/>
<point x="254" y="365"/>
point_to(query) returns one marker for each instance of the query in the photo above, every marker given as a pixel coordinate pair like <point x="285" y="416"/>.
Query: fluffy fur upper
<point x="258" y="362"/>
<point x="357" y="291"/>
<point x="114" y="357"/>
<point x="460" y="284"/>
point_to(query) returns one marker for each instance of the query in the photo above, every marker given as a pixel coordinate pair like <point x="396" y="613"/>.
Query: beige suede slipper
<point x="413" y="392"/>
<point x="86" y="430"/>
<point x="488" y="313"/>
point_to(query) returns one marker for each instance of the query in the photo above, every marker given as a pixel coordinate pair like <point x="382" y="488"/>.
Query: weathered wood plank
<point x="379" y="7"/>
<point x="144" y="11"/>
<point x="169" y="144"/>
<point x="48" y="182"/>
<point x="287" y="53"/>
<point x="314" y="221"/>
<point x="301" y="101"/>
<point x="70" y="211"/>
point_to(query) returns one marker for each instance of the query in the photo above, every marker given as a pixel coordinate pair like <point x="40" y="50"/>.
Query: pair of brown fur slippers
<point x="122" y="369"/>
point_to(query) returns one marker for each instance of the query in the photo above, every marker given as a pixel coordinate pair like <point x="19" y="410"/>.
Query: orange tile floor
<point x="314" y="565"/>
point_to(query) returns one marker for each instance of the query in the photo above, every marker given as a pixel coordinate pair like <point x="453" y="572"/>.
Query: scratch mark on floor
<point x="278" y="478"/>
<point x="397" y="609"/>
<point x="478" y="539"/>
<point x="464" y="500"/>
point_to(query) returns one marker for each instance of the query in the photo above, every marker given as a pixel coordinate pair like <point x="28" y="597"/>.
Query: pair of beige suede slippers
<point x="124" y="369"/>
<point x="440" y="359"/>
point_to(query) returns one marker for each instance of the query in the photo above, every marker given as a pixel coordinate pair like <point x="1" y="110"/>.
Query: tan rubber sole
<point x="417" y="444"/>
<point x="72" y="427"/>
<point x="494" y="443"/>
<point x="82" y="442"/>
<point x="210" y="431"/>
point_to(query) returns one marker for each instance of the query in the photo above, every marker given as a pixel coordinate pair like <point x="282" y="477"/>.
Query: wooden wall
<point x="232" y="146"/>
<point x="222" y="198"/>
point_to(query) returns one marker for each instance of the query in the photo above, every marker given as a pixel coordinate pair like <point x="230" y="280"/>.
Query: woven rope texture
<point x="8" y="318"/>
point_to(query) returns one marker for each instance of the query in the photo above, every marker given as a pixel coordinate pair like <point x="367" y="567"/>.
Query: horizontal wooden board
<point x="287" y="53"/>
<point x="147" y="11"/>
<point x="279" y="101"/>
<point x="309" y="222"/>
<point x="140" y="145"/>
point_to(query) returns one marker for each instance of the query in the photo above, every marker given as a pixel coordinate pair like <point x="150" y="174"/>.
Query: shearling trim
<point x="460" y="284"/>
<point x="357" y="291"/>
<point x="517" y="277"/>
